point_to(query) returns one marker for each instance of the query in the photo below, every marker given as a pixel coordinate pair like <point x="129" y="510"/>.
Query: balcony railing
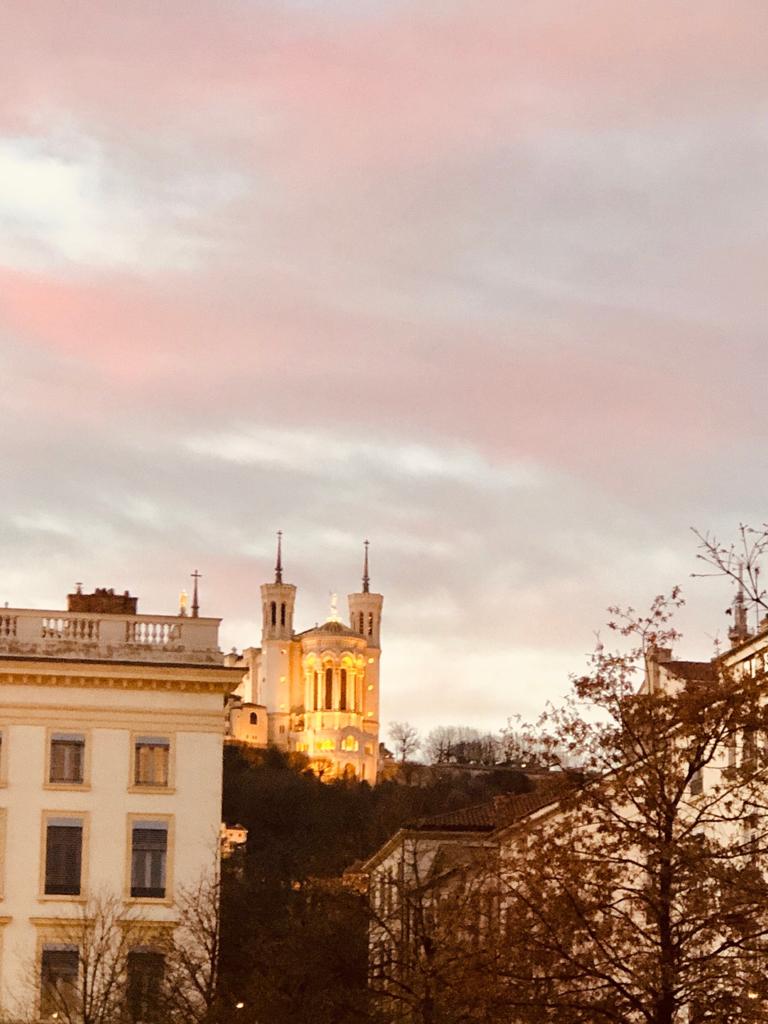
<point x="26" y="632"/>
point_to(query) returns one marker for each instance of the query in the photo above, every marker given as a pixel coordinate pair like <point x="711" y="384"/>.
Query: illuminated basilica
<point x="314" y="692"/>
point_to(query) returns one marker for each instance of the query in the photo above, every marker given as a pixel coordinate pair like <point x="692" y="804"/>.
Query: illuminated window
<point x="370" y="623"/>
<point x="326" y="745"/>
<point x="350" y="743"/>
<point x="343" y="691"/>
<point x="328" y="689"/>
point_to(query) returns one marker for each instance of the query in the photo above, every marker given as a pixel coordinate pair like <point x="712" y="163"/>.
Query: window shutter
<point x="63" y="859"/>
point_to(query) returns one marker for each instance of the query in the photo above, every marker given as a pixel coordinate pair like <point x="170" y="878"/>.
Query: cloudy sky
<point x="481" y="280"/>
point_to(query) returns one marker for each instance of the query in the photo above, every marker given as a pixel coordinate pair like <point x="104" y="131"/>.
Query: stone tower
<point x="277" y="604"/>
<point x="365" y="619"/>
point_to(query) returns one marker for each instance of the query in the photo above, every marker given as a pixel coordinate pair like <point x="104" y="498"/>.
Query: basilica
<point x="314" y="692"/>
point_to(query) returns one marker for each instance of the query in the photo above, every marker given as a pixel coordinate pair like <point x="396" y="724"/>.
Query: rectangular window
<point x="697" y="783"/>
<point x="151" y="761"/>
<point x="149" y="851"/>
<point x="145" y="981"/>
<point x="67" y="758"/>
<point x="59" y="968"/>
<point x="63" y="856"/>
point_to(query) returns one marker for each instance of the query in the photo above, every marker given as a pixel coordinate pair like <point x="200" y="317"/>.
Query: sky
<point x="483" y="282"/>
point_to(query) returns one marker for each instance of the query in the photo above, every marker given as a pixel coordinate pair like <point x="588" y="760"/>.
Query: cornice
<point x="153" y="676"/>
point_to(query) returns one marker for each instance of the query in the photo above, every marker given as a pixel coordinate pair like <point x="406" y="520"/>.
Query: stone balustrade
<point x="27" y="632"/>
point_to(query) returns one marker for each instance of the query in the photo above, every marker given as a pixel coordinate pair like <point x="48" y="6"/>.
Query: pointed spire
<point x="195" y="602"/>
<point x="739" y="631"/>
<point x="279" y="563"/>
<point x="366" y="576"/>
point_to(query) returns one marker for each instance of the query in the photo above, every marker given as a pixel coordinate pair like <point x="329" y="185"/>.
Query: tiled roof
<point x="694" y="671"/>
<point x="501" y="811"/>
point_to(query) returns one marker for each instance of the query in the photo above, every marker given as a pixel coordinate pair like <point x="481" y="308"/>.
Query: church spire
<point x="366" y="576"/>
<point x="279" y="563"/>
<point x="739" y="631"/>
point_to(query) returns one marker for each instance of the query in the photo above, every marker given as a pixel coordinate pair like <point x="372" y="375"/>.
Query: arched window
<point x="370" y="623"/>
<point x="315" y="694"/>
<point x="343" y="691"/>
<point x="282" y="614"/>
<point x="254" y="718"/>
<point x="273" y="612"/>
<point x="361" y="628"/>
<point x="328" y="689"/>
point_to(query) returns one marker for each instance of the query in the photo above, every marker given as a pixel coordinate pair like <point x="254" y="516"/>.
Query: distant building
<point x="317" y="691"/>
<point x="111" y="733"/>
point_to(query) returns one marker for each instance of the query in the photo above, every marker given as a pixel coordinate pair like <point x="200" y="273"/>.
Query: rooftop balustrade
<point x="26" y="632"/>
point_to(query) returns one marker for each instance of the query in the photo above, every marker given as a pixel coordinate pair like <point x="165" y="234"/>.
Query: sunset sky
<point x="481" y="280"/>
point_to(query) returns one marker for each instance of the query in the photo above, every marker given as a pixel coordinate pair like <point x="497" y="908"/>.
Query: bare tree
<point x="83" y="974"/>
<point x="433" y="919"/>
<point x="405" y="738"/>
<point x="739" y="561"/>
<point x="191" y="969"/>
<point x="643" y="899"/>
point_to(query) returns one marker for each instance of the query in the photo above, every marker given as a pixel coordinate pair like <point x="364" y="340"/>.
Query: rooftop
<point x="500" y="811"/>
<point x="105" y="626"/>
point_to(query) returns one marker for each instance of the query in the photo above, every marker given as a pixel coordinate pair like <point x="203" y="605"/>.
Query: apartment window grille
<point x="151" y="761"/>
<point x="63" y="856"/>
<point x="149" y="852"/>
<point x="59" y="971"/>
<point x="67" y="758"/>
<point x="146" y="970"/>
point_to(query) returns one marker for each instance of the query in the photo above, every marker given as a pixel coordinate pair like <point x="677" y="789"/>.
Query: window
<point x="361" y="627"/>
<point x="146" y="969"/>
<point x="697" y="783"/>
<point x="63" y="856"/>
<point x="315" y="686"/>
<point x="149" y="851"/>
<point x="370" y="623"/>
<point x="273" y="612"/>
<point x="343" y="691"/>
<point x="282" y="614"/>
<point x="151" y="758"/>
<point x="254" y="718"/>
<point x="67" y="764"/>
<point x="59" y="969"/>
<point x="328" y="689"/>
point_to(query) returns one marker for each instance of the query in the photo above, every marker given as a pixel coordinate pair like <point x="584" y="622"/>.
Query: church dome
<point x="331" y="626"/>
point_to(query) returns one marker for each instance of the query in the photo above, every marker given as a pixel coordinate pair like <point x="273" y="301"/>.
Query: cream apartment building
<point x="111" y="733"/>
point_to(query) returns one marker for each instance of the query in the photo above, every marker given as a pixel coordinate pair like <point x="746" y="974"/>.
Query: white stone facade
<point x="112" y="729"/>
<point x="315" y="692"/>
